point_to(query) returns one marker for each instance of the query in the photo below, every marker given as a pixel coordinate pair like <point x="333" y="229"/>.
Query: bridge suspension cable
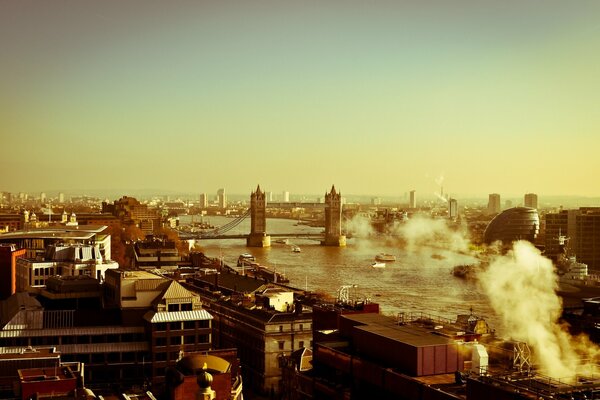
<point x="228" y="226"/>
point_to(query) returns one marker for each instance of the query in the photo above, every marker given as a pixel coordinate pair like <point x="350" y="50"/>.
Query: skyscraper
<point x="61" y="197"/>
<point x="42" y="197"/>
<point x="222" y="197"/>
<point x="452" y="208"/>
<point x="493" y="203"/>
<point x="413" y="199"/>
<point x="286" y="196"/>
<point x="531" y="200"/>
<point x="269" y="196"/>
<point x="203" y="200"/>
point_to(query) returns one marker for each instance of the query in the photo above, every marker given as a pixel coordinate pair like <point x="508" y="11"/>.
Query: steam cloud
<point x="521" y="288"/>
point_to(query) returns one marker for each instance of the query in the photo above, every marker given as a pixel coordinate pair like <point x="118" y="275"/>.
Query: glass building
<point x="519" y="223"/>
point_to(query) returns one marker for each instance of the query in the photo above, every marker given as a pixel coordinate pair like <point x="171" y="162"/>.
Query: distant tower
<point x="269" y="196"/>
<point x="42" y="197"/>
<point x="286" y="196"/>
<point x="258" y="220"/>
<point x="493" y="203"/>
<point x="413" y="199"/>
<point x="61" y="197"/>
<point x="65" y="217"/>
<point x="203" y="200"/>
<point x="333" y="219"/>
<point x="531" y="200"/>
<point x="452" y="208"/>
<point x="222" y="198"/>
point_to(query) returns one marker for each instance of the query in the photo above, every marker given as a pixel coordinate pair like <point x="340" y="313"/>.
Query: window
<point x="175" y="340"/>
<point x="203" y="338"/>
<point x="173" y="307"/>
<point x="190" y="339"/>
<point x="186" y="307"/>
<point x="162" y="326"/>
<point x="281" y="344"/>
<point x="203" y="324"/>
<point x="301" y="344"/>
<point x="161" y="341"/>
<point x="280" y="328"/>
<point x="300" y="327"/>
<point x="189" y="324"/>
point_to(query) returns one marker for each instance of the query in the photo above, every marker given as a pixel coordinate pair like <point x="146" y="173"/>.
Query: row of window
<point x="178" y="325"/>
<point x="63" y="340"/>
<point x="300" y="327"/>
<point x="178" y="340"/>
<point x="281" y="344"/>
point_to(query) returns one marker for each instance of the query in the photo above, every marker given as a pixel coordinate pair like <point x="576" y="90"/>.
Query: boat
<point x="282" y="241"/>
<point x="296" y="249"/>
<point x="377" y="264"/>
<point x="246" y="259"/>
<point x="385" y="257"/>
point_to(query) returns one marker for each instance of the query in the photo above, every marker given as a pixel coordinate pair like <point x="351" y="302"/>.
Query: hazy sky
<point x="378" y="97"/>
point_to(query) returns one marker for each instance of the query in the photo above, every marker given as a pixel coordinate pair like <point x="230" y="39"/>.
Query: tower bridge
<point x="258" y="218"/>
<point x="259" y="237"/>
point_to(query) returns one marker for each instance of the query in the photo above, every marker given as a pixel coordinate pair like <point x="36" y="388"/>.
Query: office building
<point x="61" y="198"/>
<point x="42" y="197"/>
<point x="9" y="253"/>
<point x="285" y="197"/>
<point x="493" y="204"/>
<point x="203" y="201"/>
<point x="131" y="212"/>
<point x="262" y="320"/>
<point x="531" y="200"/>
<point x="587" y="232"/>
<point x="222" y="198"/>
<point x="269" y="196"/>
<point x="519" y="223"/>
<point x="452" y="208"/>
<point x="413" y="199"/>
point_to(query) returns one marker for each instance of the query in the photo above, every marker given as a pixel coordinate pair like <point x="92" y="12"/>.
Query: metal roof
<point x="177" y="316"/>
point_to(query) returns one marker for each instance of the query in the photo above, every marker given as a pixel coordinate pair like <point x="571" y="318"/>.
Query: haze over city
<point x="378" y="98"/>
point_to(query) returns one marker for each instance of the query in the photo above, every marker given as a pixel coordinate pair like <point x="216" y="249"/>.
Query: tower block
<point x="258" y="220"/>
<point x="333" y="219"/>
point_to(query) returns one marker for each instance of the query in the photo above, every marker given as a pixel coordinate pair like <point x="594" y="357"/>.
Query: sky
<point x="376" y="97"/>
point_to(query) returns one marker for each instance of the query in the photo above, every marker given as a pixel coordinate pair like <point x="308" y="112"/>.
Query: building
<point x="203" y="201"/>
<point x="285" y="196"/>
<point x="452" y="208"/>
<point x="375" y="201"/>
<point x="61" y="198"/>
<point x="131" y="212"/>
<point x="35" y="241"/>
<point x="155" y="254"/>
<point x="531" y="200"/>
<point x="494" y="204"/>
<point x="224" y="367"/>
<point x="519" y="223"/>
<point x="222" y="198"/>
<point x="264" y="321"/>
<point x="413" y="199"/>
<point x="8" y="269"/>
<point x="587" y="233"/>
<point x="269" y="196"/>
<point x="63" y="260"/>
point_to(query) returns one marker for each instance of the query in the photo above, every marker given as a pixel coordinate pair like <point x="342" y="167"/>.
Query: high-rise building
<point x="508" y="204"/>
<point x="222" y="198"/>
<point x="203" y="200"/>
<point x="375" y="201"/>
<point x="413" y="199"/>
<point x="269" y="196"/>
<point x="493" y="203"/>
<point x="42" y="197"/>
<point x="286" y="196"/>
<point x="587" y="245"/>
<point x="531" y="200"/>
<point x="452" y="208"/>
<point x="61" y="197"/>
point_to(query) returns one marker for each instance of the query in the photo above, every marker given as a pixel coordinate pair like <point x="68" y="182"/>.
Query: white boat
<point x="282" y="241"/>
<point x="296" y="249"/>
<point x="378" y="265"/>
<point x="385" y="257"/>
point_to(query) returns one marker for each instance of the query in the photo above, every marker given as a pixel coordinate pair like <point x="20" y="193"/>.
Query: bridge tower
<point x="333" y="219"/>
<point x="258" y="220"/>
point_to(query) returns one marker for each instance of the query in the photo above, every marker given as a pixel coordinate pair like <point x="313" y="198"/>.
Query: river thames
<point x="415" y="282"/>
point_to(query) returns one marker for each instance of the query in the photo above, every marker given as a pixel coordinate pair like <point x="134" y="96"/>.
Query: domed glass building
<point x="519" y="223"/>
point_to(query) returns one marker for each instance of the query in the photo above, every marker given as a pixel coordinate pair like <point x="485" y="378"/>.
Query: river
<point x="415" y="282"/>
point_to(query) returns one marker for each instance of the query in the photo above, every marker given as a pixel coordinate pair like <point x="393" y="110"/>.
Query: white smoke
<point x="521" y="289"/>
<point x="421" y="232"/>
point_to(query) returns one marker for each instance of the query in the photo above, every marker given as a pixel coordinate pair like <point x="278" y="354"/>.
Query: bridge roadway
<point x="316" y="236"/>
<point x="294" y="205"/>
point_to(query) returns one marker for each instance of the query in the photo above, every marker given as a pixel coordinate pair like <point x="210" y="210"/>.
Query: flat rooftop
<point x="45" y="374"/>
<point x="387" y="327"/>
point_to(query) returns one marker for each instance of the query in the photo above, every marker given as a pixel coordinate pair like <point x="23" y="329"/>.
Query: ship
<point x="385" y="257"/>
<point x="574" y="280"/>
<point x="296" y="249"/>
<point x="378" y="265"/>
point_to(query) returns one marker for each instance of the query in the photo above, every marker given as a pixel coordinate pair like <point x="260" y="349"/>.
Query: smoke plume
<point x="521" y="288"/>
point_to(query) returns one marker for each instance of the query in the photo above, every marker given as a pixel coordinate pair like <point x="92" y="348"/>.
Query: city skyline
<point x="378" y="100"/>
